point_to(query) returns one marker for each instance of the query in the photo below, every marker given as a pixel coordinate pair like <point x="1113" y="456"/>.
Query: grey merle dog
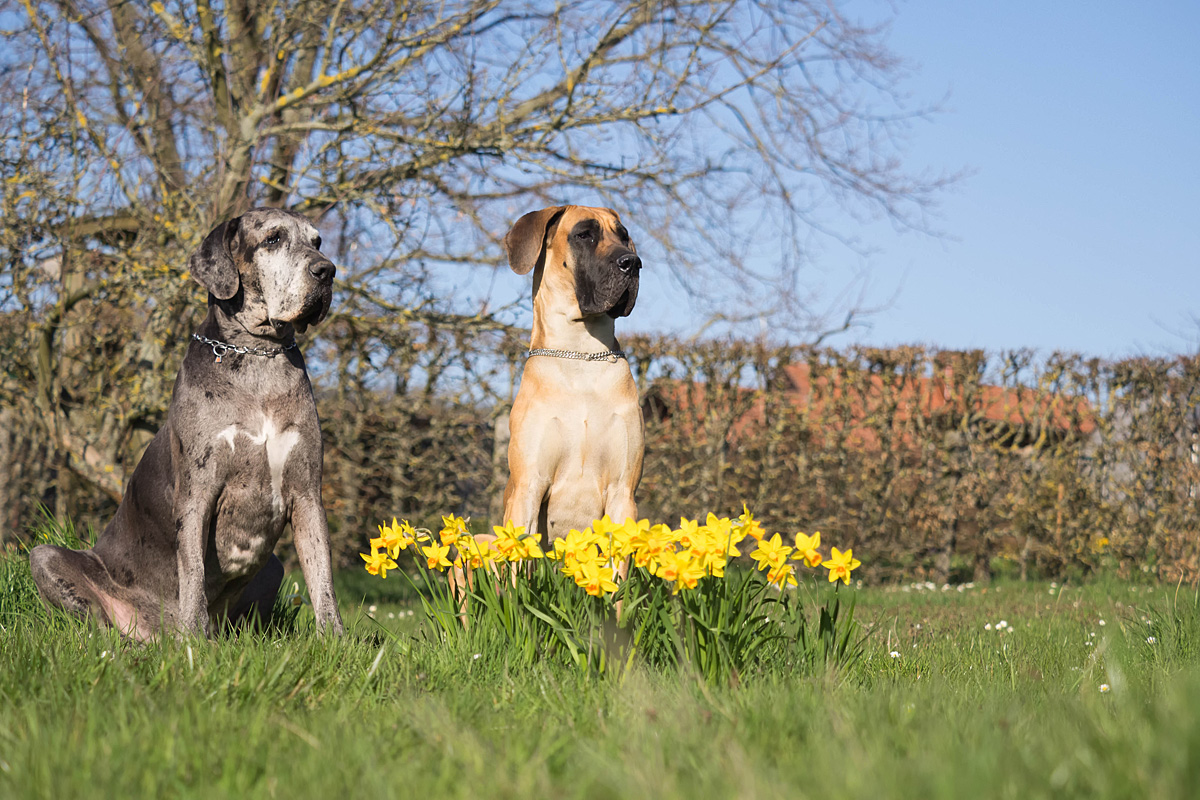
<point x="191" y="544"/>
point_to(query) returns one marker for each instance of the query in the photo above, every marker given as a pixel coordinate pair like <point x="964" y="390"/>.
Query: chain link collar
<point x="222" y="349"/>
<point x="611" y="356"/>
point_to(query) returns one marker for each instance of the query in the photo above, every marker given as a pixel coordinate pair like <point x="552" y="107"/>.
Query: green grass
<point x="387" y="711"/>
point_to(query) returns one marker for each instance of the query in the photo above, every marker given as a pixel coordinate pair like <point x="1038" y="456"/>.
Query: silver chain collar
<point x="611" y="356"/>
<point x="222" y="349"/>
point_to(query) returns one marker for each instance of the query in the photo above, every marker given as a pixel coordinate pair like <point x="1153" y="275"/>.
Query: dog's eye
<point x="272" y="239"/>
<point x="317" y="243"/>
<point x="585" y="236"/>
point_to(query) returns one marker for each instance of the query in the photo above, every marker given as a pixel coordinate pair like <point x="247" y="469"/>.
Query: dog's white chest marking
<point x="279" y="445"/>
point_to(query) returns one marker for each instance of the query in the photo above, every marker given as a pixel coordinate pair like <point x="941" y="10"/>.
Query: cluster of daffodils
<point x="679" y="556"/>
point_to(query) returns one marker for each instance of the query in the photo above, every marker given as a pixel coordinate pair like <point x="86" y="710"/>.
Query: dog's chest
<point x="253" y="505"/>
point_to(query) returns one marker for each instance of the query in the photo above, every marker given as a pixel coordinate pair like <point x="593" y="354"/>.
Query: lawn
<point x="1012" y="690"/>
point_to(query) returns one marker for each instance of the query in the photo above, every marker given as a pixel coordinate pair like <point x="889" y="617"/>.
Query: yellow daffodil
<point x="378" y="563"/>
<point x="473" y="553"/>
<point x="690" y="573"/>
<point x="604" y="526"/>
<point x="747" y="525"/>
<point x="718" y="527"/>
<point x="452" y="528"/>
<point x="688" y="530"/>
<point x="595" y="579"/>
<point x="624" y="536"/>
<point x="771" y="552"/>
<point x="395" y="537"/>
<point x="514" y="544"/>
<point x="806" y="549"/>
<point x="574" y="562"/>
<point x="648" y="549"/>
<point x="435" y="556"/>
<point x="668" y="565"/>
<point x="573" y="544"/>
<point x="781" y="575"/>
<point x="840" y="565"/>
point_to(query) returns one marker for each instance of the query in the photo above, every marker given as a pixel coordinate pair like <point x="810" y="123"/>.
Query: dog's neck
<point x="222" y="325"/>
<point x="558" y="325"/>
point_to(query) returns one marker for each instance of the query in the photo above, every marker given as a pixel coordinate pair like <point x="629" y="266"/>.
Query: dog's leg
<point x="257" y="603"/>
<point x="312" y="545"/>
<point x="620" y="508"/>
<point x="194" y="506"/>
<point x="77" y="582"/>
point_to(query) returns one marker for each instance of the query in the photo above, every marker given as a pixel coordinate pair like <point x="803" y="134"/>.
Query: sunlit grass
<point x="965" y="707"/>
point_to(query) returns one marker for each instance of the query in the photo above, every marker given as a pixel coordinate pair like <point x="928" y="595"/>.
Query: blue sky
<point x="1078" y="228"/>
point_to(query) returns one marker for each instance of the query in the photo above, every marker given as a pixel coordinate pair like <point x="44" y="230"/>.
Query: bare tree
<point x="414" y="132"/>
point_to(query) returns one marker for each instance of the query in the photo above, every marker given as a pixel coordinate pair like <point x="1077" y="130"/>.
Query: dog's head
<point x="266" y="268"/>
<point x="585" y="249"/>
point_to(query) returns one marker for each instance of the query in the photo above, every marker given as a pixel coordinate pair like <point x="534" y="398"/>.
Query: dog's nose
<point x="322" y="271"/>
<point x="629" y="262"/>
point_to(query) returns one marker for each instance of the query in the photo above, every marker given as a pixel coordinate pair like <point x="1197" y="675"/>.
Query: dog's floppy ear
<point x="525" y="242"/>
<point x="212" y="264"/>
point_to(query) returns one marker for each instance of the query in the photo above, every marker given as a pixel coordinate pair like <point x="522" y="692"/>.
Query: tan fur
<point x="576" y="426"/>
<point x="576" y="446"/>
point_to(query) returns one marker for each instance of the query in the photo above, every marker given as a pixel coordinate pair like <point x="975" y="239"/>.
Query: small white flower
<point x="1102" y="623"/>
<point x="104" y="654"/>
<point x="1050" y="591"/>
<point x="1104" y="688"/>
<point x="1151" y="640"/>
<point x="1053" y="584"/>
<point x="476" y="656"/>
<point x="1092" y="635"/>
<point x="987" y="627"/>
<point x="894" y="654"/>
<point x="918" y="626"/>
<point x="391" y="615"/>
<point x="372" y="608"/>
<point x="1088" y="643"/>
<point x="1002" y="623"/>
